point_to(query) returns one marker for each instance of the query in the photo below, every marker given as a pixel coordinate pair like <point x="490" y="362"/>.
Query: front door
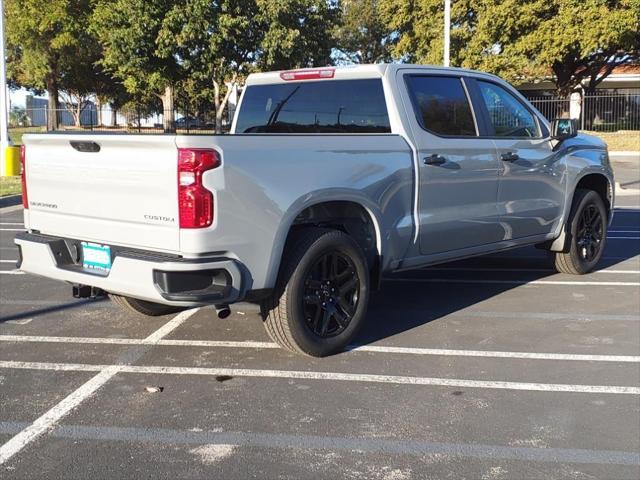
<point x="458" y="175"/>
<point x="532" y="182"/>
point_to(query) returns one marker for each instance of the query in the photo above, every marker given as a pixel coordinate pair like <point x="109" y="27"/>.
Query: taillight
<point x="195" y="203"/>
<point x="23" y="175"/>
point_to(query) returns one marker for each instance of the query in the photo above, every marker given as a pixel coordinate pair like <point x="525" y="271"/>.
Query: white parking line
<point x="516" y="270"/>
<point x="51" y="417"/>
<point x="513" y="282"/>
<point x="48" y="420"/>
<point x="338" y="376"/>
<point x="11" y="223"/>
<point x="622" y="238"/>
<point x="356" y="348"/>
<point x="11" y="272"/>
<point x="8" y="261"/>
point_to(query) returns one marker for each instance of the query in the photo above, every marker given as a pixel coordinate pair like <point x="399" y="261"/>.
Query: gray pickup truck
<point x="330" y="178"/>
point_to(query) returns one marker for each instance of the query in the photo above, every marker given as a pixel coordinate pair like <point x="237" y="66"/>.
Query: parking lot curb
<point x="10" y="201"/>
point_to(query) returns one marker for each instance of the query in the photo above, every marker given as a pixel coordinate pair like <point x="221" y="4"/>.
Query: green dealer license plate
<point x="96" y="257"/>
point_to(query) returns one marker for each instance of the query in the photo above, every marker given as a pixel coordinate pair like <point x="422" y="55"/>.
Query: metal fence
<point x="551" y="107"/>
<point x="601" y="111"/>
<point x="126" y="121"/>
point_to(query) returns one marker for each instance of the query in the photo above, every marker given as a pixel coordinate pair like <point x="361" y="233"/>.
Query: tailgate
<point x="123" y="194"/>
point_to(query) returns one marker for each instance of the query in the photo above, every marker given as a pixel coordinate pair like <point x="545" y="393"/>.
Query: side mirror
<point x="564" y="128"/>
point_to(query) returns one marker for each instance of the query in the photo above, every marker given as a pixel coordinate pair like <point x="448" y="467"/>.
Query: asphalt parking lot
<point x="491" y="368"/>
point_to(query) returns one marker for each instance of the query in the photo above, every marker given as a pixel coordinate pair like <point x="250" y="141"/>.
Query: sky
<point x="17" y="97"/>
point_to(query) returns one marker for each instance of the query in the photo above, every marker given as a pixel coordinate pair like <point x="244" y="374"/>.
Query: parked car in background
<point x="193" y="123"/>
<point x="331" y="178"/>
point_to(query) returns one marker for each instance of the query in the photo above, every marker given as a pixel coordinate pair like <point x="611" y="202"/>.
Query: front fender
<point x="584" y="155"/>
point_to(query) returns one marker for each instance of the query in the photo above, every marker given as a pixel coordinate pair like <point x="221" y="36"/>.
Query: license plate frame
<point x="96" y="257"/>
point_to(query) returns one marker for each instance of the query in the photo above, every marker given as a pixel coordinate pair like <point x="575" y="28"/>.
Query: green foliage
<point x="130" y="33"/>
<point x="18" y="117"/>
<point x="140" y="53"/>
<point x="43" y="37"/>
<point x="521" y="39"/>
<point x="361" y="35"/>
<point x="297" y="33"/>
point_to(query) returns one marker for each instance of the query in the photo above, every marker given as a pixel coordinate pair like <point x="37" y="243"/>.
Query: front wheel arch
<point x="590" y="181"/>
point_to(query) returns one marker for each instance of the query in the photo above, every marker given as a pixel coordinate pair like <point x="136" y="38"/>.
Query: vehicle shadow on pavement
<point x="417" y="297"/>
<point x="51" y="309"/>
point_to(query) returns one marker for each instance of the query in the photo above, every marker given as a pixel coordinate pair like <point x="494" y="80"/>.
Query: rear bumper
<point x="151" y="276"/>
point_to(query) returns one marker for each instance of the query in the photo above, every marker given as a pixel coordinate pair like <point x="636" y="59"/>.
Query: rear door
<point x="109" y="189"/>
<point x="532" y="182"/>
<point x="458" y="181"/>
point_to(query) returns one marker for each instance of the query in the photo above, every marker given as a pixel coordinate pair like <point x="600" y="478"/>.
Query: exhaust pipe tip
<point x="223" y="311"/>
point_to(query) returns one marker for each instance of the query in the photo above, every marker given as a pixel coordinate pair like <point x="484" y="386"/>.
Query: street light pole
<point x="4" y="133"/>
<point x="447" y="30"/>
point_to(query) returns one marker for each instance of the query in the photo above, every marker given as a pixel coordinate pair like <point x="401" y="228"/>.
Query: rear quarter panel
<point x="265" y="181"/>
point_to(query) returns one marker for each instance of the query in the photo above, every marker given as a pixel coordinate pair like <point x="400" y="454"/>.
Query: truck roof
<point x="349" y="72"/>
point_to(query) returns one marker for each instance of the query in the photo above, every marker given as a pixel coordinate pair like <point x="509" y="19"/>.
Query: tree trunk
<point x="221" y="104"/>
<point x="78" y="121"/>
<point x="52" y="104"/>
<point x="98" y="112"/>
<point x="114" y="116"/>
<point x="168" y="114"/>
<point x="216" y="105"/>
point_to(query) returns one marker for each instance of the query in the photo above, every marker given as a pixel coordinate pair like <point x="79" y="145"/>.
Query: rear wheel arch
<point x="349" y="216"/>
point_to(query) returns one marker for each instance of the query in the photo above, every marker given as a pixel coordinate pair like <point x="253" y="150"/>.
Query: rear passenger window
<point x="441" y="104"/>
<point x="333" y="106"/>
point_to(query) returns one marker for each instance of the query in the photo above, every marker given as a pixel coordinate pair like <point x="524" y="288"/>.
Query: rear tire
<point x="586" y="234"/>
<point x="320" y="299"/>
<point x="142" y="307"/>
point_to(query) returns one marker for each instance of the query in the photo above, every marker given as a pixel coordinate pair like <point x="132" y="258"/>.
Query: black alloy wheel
<point x="590" y="233"/>
<point x="330" y="294"/>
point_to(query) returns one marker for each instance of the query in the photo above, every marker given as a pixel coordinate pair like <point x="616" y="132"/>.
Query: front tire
<point x="321" y="296"/>
<point x="587" y="234"/>
<point x="142" y="307"/>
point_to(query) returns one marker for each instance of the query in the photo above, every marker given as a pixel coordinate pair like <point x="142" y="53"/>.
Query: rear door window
<point x="335" y="106"/>
<point x="441" y="105"/>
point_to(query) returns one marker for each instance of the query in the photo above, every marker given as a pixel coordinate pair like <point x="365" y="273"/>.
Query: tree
<point x="521" y="40"/>
<point x="361" y="35"/>
<point x="218" y="42"/>
<point x="575" y="40"/>
<point x="18" y="117"/>
<point x="43" y="37"/>
<point x="129" y="32"/>
<point x="416" y="28"/>
<point x="297" y="33"/>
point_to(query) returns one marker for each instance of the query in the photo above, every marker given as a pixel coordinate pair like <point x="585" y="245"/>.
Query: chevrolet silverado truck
<point x="330" y="178"/>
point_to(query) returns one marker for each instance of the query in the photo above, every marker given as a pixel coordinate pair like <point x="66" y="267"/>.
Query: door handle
<point x="510" y="157"/>
<point x="434" y="159"/>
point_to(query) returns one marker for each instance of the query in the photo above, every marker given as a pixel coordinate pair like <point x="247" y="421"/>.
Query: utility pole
<point x="4" y="132"/>
<point x="447" y="30"/>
